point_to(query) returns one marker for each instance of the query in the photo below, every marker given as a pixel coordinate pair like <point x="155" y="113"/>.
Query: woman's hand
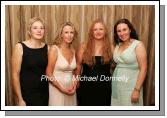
<point x="72" y="89"/>
<point x="68" y="91"/>
<point x="135" y="96"/>
<point x="113" y="64"/>
<point x="21" y="103"/>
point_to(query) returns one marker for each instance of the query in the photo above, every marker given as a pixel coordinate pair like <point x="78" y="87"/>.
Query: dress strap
<point x="116" y="48"/>
<point x="22" y="43"/>
<point x="135" y="44"/>
<point x="57" y="48"/>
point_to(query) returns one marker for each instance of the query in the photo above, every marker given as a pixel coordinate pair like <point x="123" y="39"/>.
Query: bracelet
<point x="136" y="89"/>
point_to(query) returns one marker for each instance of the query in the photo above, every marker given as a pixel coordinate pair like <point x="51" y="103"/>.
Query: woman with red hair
<point x="94" y="58"/>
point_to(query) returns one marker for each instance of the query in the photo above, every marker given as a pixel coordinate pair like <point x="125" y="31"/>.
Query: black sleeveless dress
<point x="34" y="88"/>
<point x="95" y="85"/>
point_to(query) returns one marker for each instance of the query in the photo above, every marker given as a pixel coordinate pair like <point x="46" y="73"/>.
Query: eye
<point x="124" y="29"/>
<point x="72" y="32"/>
<point x="34" y="27"/>
<point x="101" y="28"/>
<point x="118" y="31"/>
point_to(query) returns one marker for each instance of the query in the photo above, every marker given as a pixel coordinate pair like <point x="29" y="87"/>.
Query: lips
<point x="123" y="37"/>
<point x="39" y="34"/>
<point x="98" y="34"/>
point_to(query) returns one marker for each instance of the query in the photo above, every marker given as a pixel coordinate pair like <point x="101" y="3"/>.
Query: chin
<point x="123" y="39"/>
<point x="70" y="41"/>
<point x="99" y="38"/>
<point x="40" y="37"/>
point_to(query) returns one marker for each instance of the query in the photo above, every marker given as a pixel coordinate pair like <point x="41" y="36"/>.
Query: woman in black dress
<point x="29" y="61"/>
<point x="94" y="59"/>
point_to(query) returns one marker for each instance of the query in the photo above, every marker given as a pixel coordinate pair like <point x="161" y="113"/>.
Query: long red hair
<point x="90" y="46"/>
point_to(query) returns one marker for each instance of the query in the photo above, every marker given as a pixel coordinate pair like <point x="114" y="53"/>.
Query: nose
<point x="98" y="30"/>
<point x="39" y="29"/>
<point x="121" y="33"/>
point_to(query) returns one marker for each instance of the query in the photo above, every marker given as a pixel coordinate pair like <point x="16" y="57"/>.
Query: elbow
<point x="78" y="70"/>
<point x="143" y="68"/>
<point x="15" y="76"/>
<point x="15" y="79"/>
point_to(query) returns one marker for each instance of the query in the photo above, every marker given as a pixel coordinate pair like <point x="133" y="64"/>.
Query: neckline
<point x="97" y="56"/>
<point x="69" y="63"/>
<point x="33" y="48"/>
<point x="125" y="48"/>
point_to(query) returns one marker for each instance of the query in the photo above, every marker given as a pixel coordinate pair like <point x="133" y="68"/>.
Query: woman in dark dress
<point x="29" y="61"/>
<point x="94" y="58"/>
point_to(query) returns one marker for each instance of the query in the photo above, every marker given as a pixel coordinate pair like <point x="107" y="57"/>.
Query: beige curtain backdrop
<point x="17" y="17"/>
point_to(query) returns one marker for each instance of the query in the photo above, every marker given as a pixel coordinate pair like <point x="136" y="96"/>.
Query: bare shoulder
<point x="140" y="45"/>
<point x="53" y="49"/>
<point x="82" y="47"/>
<point x="18" y="48"/>
<point x="48" y="46"/>
<point x="140" y="48"/>
<point x="18" y="45"/>
<point x="17" y="53"/>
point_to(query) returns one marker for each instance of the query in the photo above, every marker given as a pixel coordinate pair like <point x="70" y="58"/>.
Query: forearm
<point x="77" y="75"/>
<point x="55" y="83"/>
<point x="141" y="78"/>
<point x="77" y="70"/>
<point x="17" y="88"/>
<point x="53" y="80"/>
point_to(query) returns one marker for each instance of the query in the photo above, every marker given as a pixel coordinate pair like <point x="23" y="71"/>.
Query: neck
<point x="126" y="42"/>
<point x="35" y="43"/>
<point x="98" y="43"/>
<point x="65" y="45"/>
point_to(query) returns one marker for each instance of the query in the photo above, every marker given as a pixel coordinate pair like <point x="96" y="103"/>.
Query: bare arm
<point x="52" y="57"/>
<point x="16" y="67"/>
<point x="113" y="65"/>
<point x="48" y="48"/>
<point x="142" y="61"/>
<point x="112" y="48"/>
<point x="79" y="58"/>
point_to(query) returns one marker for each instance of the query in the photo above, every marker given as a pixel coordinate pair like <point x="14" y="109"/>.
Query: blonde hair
<point x="31" y="21"/>
<point x="58" y="38"/>
<point x="89" y="48"/>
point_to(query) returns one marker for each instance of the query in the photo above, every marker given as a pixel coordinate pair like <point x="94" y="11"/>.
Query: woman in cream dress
<point x="61" y="63"/>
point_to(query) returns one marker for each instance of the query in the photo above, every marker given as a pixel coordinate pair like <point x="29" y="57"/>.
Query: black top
<point x="95" y="84"/>
<point x="34" y="88"/>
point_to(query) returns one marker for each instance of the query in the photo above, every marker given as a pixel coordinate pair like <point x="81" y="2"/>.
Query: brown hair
<point x="133" y="33"/>
<point x="89" y="48"/>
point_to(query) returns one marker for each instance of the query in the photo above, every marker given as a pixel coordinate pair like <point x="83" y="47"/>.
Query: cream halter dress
<point x="63" y="74"/>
